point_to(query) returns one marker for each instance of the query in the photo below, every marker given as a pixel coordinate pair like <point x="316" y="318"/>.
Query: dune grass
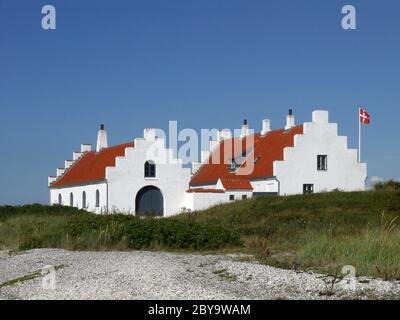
<point x="321" y="232"/>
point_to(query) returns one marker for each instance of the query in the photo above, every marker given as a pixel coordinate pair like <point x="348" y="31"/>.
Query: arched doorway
<point x="149" y="202"/>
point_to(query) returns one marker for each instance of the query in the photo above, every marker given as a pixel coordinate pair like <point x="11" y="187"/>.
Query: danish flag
<point x="364" y="116"/>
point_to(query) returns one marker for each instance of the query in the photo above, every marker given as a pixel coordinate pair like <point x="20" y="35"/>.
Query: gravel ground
<point x="160" y="275"/>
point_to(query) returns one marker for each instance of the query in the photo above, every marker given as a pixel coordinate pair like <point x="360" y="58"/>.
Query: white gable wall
<point x="127" y="177"/>
<point x="300" y="162"/>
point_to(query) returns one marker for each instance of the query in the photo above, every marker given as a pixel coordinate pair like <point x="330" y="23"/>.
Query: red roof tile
<point x="236" y="184"/>
<point x="91" y="166"/>
<point x="265" y="150"/>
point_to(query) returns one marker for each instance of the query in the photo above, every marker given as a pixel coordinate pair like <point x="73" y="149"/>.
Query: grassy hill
<point x="320" y="232"/>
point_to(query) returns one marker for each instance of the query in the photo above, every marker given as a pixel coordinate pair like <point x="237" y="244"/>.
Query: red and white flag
<point x="364" y="116"/>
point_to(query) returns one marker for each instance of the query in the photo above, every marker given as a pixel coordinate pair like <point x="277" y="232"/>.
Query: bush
<point x="36" y="226"/>
<point x="390" y="185"/>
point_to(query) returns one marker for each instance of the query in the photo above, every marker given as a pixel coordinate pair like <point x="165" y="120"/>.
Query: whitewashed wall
<point x="300" y="162"/>
<point x="78" y="192"/>
<point x="127" y="177"/>
<point x="203" y="200"/>
<point x="268" y="185"/>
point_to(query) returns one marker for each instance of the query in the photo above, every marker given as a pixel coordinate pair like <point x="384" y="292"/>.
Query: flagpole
<point x="359" y="135"/>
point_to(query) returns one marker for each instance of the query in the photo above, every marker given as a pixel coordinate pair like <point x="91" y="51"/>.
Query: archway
<point x="149" y="202"/>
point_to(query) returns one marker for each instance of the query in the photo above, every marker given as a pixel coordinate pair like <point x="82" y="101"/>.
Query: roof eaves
<point x="83" y="183"/>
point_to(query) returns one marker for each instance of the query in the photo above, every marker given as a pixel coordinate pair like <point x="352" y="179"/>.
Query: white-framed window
<point x="322" y="162"/>
<point x="71" y="199"/>
<point x="231" y="197"/>
<point x="60" y="199"/>
<point x="149" y="169"/>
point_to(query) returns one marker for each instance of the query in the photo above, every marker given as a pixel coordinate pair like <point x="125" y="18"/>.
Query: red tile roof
<point x="204" y="190"/>
<point x="265" y="150"/>
<point x="236" y="184"/>
<point x="91" y="166"/>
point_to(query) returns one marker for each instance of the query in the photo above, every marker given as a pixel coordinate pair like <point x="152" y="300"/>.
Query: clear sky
<point x="205" y="63"/>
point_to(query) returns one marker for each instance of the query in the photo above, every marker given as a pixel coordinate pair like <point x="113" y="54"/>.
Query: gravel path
<point x="160" y="275"/>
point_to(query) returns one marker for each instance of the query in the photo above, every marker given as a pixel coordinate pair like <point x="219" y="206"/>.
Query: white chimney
<point x="245" y="129"/>
<point x="266" y="127"/>
<point x="101" y="139"/>
<point x="290" y="120"/>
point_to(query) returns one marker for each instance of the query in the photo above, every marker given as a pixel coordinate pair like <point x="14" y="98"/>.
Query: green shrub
<point x="29" y="227"/>
<point x="390" y="185"/>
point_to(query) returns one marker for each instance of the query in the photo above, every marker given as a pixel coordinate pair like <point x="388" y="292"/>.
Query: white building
<point x="143" y="176"/>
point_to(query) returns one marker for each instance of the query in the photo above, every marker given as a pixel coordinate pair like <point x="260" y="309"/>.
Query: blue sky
<point x="206" y="64"/>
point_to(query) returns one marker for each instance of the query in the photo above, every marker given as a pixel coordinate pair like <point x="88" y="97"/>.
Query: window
<point x="149" y="169"/>
<point x="231" y="197"/>
<point x="308" y="188"/>
<point x="244" y="197"/>
<point x="322" y="162"/>
<point x="71" y="199"/>
<point x="60" y="199"/>
<point x="84" y="200"/>
<point x="97" y="198"/>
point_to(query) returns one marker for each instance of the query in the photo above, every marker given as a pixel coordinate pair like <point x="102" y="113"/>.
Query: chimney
<point x="245" y="129"/>
<point x="101" y="139"/>
<point x="289" y="120"/>
<point x="266" y="127"/>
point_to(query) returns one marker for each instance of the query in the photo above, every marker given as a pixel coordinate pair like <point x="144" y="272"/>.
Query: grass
<point x="320" y="232"/>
